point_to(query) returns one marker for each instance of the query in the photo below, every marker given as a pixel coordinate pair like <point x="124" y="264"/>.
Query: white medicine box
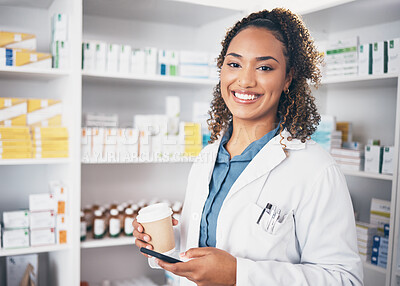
<point x="16" y="238"/>
<point x="16" y="219"/>
<point x="380" y="58"/>
<point x="387" y="162"/>
<point x="373" y="158"/>
<point x="365" y="59"/>
<point x="46" y="236"/>
<point x="45" y="219"/>
<point x="394" y="56"/>
<point x="42" y="202"/>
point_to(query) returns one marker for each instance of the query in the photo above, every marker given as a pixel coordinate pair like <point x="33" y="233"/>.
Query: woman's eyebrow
<point x="257" y="58"/>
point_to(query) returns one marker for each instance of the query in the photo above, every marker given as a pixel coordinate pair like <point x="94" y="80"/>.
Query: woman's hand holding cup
<point x="142" y="238"/>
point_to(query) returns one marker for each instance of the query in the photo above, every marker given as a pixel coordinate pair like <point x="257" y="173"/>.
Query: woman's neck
<point x="244" y="133"/>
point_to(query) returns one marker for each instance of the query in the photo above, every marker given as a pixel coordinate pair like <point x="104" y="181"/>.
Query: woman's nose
<point x="247" y="78"/>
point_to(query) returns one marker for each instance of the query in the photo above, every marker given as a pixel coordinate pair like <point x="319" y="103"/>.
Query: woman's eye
<point x="234" y="65"/>
<point x="265" y="68"/>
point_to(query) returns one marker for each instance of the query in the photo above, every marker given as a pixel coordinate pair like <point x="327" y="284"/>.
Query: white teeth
<point x="244" y="96"/>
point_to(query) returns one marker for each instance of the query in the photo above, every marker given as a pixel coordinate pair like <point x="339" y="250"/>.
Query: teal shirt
<point x="226" y="171"/>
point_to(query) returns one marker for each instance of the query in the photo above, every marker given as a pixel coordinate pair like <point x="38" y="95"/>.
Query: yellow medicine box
<point x="14" y="133"/>
<point x="18" y="40"/>
<point x="44" y="112"/>
<point x="49" y="133"/>
<point x="13" y="111"/>
<point x="32" y="59"/>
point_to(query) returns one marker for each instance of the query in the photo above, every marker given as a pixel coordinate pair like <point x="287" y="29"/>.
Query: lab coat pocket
<point x="265" y="241"/>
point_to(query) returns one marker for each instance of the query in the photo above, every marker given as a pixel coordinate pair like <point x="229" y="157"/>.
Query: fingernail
<point x="183" y="254"/>
<point x="146" y="238"/>
<point x="139" y="228"/>
<point x="148" y="246"/>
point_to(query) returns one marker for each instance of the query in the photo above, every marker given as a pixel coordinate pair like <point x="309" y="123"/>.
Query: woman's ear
<point x="289" y="78"/>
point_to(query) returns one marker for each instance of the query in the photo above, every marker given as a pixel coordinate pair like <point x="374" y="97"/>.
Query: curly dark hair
<point x="296" y="110"/>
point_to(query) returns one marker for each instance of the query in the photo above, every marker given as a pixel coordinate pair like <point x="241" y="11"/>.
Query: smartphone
<point x="160" y="256"/>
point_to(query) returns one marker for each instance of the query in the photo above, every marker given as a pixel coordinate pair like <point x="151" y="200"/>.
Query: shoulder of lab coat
<point x="329" y="254"/>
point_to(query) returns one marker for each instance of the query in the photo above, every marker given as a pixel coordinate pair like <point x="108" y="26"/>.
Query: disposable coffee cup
<point x="156" y="220"/>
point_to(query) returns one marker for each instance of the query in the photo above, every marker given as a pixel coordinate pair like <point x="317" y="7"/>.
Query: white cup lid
<point x="154" y="212"/>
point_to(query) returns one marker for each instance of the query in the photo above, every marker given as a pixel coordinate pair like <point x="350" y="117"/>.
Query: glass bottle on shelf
<point x="129" y="218"/>
<point x="114" y="223"/>
<point x="83" y="226"/>
<point x="99" y="225"/>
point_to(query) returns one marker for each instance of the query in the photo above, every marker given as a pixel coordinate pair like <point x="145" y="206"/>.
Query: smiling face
<point x="253" y="76"/>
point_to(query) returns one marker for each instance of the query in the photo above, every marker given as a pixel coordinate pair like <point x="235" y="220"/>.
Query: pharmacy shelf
<point x="25" y="73"/>
<point x="30" y="250"/>
<point x="107" y="242"/>
<point x="143" y="161"/>
<point x="146" y="79"/>
<point x="370" y="266"/>
<point x="160" y="11"/>
<point x="5" y="162"/>
<point x="41" y="4"/>
<point x="368" y="175"/>
<point x="385" y="78"/>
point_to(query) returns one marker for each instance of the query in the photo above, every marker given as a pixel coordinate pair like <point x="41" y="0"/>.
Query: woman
<point x="271" y="207"/>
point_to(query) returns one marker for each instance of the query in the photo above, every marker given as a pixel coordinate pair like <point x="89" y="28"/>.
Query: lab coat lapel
<point x="270" y="156"/>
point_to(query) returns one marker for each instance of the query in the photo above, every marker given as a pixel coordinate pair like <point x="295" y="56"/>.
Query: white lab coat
<point x="315" y="244"/>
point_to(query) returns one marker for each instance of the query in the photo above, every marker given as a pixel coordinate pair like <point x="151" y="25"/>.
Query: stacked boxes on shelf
<point x="326" y="135"/>
<point x="380" y="247"/>
<point x="191" y="138"/>
<point x="114" y="58"/>
<point x="15" y="143"/>
<point x="16" y="229"/>
<point x="380" y="214"/>
<point x="349" y="159"/>
<point x="341" y="57"/>
<point x="44" y="224"/>
<point x="59" y="41"/>
<point x="31" y="128"/>
<point x="379" y="159"/>
<point x="19" y="49"/>
<point x="349" y="57"/>
<point x="365" y="236"/>
<point x="154" y="137"/>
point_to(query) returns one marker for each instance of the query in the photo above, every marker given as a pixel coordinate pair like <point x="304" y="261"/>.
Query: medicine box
<point x="15" y="238"/>
<point x="22" y="267"/>
<point x="124" y="58"/>
<point x="44" y="236"/>
<point x="13" y="111"/>
<point x="42" y="202"/>
<point x="45" y="219"/>
<point x="60" y="52"/>
<point x="31" y="59"/>
<point x="138" y="62"/>
<point x="394" y="56"/>
<point x="373" y="158"/>
<point x="163" y="65"/>
<point x="62" y="229"/>
<point x="365" y="59"/>
<point x="112" y="57"/>
<point x="100" y="55"/>
<point x="43" y="112"/>
<point x="151" y="61"/>
<point x="173" y="62"/>
<point x="16" y="40"/>
<point x="16" y="219"/>
<point x="59" y="27"/>
<point x="380" y="58"/>
<point x="387" y="162"/>
<point x="88" y="56"/>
